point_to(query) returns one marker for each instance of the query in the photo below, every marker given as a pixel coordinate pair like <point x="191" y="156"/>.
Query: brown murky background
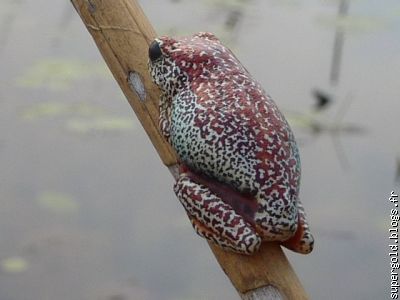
<point x="87" y="209"/>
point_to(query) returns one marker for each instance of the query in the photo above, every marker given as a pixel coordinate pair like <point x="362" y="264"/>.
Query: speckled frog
<point x="239" y="163"/>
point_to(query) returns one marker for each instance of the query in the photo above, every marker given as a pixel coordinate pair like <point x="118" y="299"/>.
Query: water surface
<point x="87" y="208"/>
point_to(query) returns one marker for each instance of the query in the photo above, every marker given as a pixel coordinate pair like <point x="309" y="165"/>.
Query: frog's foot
<point x="219" y="240"/>
<point x="302" y="241"/>
<point x="214" y="219"/>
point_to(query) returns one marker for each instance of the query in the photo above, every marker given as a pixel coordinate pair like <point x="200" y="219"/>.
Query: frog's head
<point x="175" y="62"/>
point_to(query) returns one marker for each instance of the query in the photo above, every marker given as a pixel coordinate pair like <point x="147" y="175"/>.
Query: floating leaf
<point x="96" y="118"/>
<point x="228" y="4"/>
<point x="100" y="124"/>
<point x="54" y="109"/>
<point x="352" y="23"/>
<point x="395" y="12"/>
<point x="14" y="264"/>
<point x="44" y="110"/>
<point x="58" y="74"/>
<point x="57" y="202"/>
<point x="287" y="3"/>
<point x="302" y="120"/>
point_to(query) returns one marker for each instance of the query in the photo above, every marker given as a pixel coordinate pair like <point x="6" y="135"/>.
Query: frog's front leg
<point x="214" y="219"/>
<point x="164" y="120"/>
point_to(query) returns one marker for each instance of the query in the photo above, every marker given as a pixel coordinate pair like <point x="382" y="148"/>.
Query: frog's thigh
<point x="215" y="220"/>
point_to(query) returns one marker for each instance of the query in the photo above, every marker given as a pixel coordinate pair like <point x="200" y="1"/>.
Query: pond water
<point x="87" y="208"/>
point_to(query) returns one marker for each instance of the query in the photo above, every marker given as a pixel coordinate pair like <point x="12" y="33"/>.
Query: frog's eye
<point x="154" y="51"/>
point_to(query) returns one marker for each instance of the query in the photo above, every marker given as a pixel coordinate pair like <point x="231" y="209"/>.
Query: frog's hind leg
<point x="214" y="219"/>
<point x="302" y="241"/>
<point x="217" y="239"/>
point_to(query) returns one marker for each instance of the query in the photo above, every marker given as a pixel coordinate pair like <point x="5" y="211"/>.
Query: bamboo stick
<point x="122" y="33"/>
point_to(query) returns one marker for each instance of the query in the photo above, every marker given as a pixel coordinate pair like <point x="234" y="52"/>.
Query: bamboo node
<point x="136" y="84"/>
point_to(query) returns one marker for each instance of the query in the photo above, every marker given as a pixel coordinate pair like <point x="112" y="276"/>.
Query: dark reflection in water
<point x="87" y="209"/>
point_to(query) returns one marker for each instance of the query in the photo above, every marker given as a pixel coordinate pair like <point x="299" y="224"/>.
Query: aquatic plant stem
<point x="123" y="33"/>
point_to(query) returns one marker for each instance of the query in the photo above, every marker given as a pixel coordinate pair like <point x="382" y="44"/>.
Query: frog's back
<point x="228" y="128"/>
<point x="222" y="122"/>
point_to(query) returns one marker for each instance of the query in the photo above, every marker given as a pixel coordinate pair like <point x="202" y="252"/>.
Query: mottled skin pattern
<point x="240" y="167"/>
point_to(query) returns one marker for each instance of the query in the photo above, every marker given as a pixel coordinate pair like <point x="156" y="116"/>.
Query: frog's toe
<point x="303" y="240"/>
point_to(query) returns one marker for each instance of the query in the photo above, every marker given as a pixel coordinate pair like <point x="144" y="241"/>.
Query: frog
<point x="239" y="164"/>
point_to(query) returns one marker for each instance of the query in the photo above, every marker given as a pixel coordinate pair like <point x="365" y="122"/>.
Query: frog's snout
<point x="154" y="51"/>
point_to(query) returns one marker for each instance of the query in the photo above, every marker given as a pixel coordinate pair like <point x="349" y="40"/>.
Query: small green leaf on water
<point x="100" y="124"/>
<point x="55" y="109"/>
<point x="48" y="109"/>
<point x="57" y="202"/>
<point x="56" y="74"/>
<point x="287" y="3"/>
<point x="352" y="23"/>
<point x="229" y="4"/>
<point x="302" y="120"/>
<point x="14" y="265"/>
<point x="395" y="12"/>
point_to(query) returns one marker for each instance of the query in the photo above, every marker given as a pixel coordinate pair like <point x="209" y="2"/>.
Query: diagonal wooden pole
<point x="122" y="33"/>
